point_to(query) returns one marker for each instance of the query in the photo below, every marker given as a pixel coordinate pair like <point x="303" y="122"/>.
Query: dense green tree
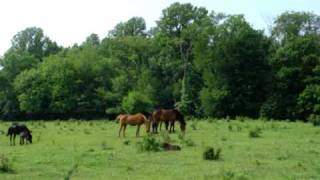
<point x="207" y="64"/>
<point x="136" y="102"/>
<point x="75" y="83"/>
<point x="178" y="30"/>
<point x="135" y="26"/>
<point x="34" y="41"/>
<point x="14" y="62"/>
<point x="236" y="70"/>
<point x="292" y="24"/>
<point x="92" y="40"/>
<point x="294" y="64"/>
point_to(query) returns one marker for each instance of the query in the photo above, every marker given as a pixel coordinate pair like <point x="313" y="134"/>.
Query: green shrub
<point x="149" y="143"/>
<point x="211" y="154"/>
<point x="5" y="165"/>
<point x="189" y="142"/>
<point x="136" y="102"/>
<point x="165" y="137"/>
<point x="126" y="142"/>
<point x="71" y="171"/>
<point x="193" y="125"/>
<point x="186" y="141"/>
<point x="255" y="133"/>
<point x="314" y="119"/>
<point x="224" y="138"/>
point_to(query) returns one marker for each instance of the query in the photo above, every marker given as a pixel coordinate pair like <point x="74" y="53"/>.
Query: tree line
<point x="202" y="63"/>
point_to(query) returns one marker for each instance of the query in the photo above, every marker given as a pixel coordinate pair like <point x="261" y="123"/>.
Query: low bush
<point x="186" y="141"/>
<point x="149" y="143"/>
<point x="255" y="133"/>
<point x="5" y="165"/>
<point x="211" y="154"/>
<point x="165" y="137"/>
<point x="126" y="142"/>
<point x="193" y="126"/>
<point x="314" y="119"/>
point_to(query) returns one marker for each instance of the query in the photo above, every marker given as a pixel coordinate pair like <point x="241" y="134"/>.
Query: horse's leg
<point x="14" y="139"/>
<point x="151" y="126"/>
<point x="156" y="124"/>
<point x="173" y="126"/>
<point x="124" y="130"/>
<point x="155" y="127"/>
<point x="120" y="129"/>
<point x="10" y="139"/>
<point x="138" y="129"/>
<point x="167" y="125"/>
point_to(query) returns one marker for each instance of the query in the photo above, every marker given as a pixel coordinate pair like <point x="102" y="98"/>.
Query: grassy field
<point x="92" y="150"/>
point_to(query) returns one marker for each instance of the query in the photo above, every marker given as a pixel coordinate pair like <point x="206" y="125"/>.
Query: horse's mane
<point x="119" y="116"/>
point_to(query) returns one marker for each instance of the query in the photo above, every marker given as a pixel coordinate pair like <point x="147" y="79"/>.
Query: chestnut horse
<point x="168" y="116"/>
<point x="133" y="120"/>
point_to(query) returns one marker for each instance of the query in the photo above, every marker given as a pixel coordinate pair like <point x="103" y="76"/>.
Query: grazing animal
<point x="148" y="115"/>
<point x="133" y="120"/>
<point x="25" y="137"/>
<point x="22" y="130"/>
<point x="168" y="116"/>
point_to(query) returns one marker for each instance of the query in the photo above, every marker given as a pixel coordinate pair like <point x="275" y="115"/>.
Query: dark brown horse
<point x="22" y="130"/>
<point x="169" y="117"/>
<point x="133" y="120"/>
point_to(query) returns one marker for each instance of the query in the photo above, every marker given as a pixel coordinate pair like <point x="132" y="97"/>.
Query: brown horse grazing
<point x="168" y="116"/>
<point x="133" y="120"/>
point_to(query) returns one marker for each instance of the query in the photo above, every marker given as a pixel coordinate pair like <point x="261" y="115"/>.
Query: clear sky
<point x="71" y="21"/>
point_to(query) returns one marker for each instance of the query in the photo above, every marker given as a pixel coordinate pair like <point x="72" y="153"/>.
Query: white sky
<point x="71" y="21"/>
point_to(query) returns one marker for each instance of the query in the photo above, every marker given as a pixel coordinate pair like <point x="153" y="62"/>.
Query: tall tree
<point x="92" y="40"/>
<point x="235" y="71"/>
<point x="135" y="26"/>
<point x="294" y="63"/>
<point x="178" y="28"/>
<point x="292" y="24"/>
<point x="34" y="41"/>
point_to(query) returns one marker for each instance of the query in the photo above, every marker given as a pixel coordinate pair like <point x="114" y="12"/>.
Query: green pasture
<point x="250" y="149"/>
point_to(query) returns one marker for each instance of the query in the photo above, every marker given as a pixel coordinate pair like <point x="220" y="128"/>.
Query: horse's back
<point x="165" y="115"/>
<point x="22" y="128"/>
<point x="138" y="116"/>
<point x="134" y="119"/>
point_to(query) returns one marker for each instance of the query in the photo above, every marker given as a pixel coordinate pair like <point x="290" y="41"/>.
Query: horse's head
<point x="182" y="121"/>
<point x="29" y="137"/>
<point x="183" y="126"/>
<point x="148" y="124"/>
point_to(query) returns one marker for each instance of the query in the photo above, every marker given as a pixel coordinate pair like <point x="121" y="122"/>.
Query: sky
<point x="71" y="21"/>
